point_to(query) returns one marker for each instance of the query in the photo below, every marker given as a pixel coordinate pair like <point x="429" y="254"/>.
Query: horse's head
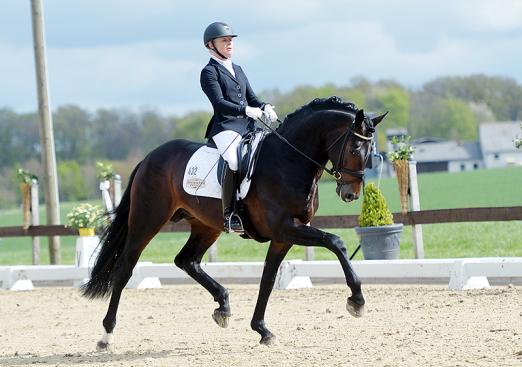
<point x="349" y="153"/>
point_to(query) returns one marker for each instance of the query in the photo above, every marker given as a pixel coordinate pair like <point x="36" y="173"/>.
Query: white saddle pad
<point x="200" y="176"/>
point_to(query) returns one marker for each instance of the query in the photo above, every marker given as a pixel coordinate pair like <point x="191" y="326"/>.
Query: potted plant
<point x="85" y="217"/>
<point x="399" y="157"/>
<point x="25" y="178"/>
<point x="380" y="237"/>
<point x="106" y="176"/>
<point x="105" y="171"/>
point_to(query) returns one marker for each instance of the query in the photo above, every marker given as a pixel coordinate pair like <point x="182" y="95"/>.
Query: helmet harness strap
<point x="214" y="48"/>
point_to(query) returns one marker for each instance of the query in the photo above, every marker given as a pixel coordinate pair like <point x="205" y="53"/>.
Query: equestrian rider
<point x="236" y="107"/>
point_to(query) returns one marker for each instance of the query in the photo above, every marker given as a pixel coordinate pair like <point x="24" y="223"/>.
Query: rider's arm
<point x="210" y="85"/>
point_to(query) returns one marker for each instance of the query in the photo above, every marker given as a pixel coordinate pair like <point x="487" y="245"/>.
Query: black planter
<point x="382" y="242"/>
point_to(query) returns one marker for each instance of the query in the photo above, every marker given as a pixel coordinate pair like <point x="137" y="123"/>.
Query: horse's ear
<point x="359" y="117"/>
<point x="378" y="119"/>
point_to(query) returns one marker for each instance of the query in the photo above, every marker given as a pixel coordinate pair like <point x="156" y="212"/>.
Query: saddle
<point x="247" y="153"/>
<point x="203" y="173"/>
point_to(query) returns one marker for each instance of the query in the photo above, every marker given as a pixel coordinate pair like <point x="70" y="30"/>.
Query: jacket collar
<point x="224" y="69"/>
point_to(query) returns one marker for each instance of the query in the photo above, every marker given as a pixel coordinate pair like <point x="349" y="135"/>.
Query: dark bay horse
<point x="283" y="197"/>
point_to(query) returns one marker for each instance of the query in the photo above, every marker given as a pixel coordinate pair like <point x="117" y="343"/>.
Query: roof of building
<point x="444" y="151"/>
<point x="498" y="137"/>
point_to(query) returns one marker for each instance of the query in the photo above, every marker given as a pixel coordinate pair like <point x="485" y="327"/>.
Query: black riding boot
<point x="232" y="221"/>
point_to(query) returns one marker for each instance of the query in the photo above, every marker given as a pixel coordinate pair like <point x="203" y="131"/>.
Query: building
<point x="494" y="149"/>
<point x="496" y="141"/>
<point x="434" y="155"/>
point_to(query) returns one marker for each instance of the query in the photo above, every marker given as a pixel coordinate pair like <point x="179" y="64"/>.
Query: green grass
<point x="484" y="188"/>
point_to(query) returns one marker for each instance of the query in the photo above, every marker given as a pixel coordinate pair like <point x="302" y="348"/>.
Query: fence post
<point x="117" y="189"/>
<point x="309" y="250"/>
<point x="35" y="220"/>
<point x="415" y="207"/>
<point x="213" y="253"/>
<point x="106" y="196"/>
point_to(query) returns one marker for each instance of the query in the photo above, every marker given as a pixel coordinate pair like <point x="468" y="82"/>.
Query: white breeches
<point x="227" y="143"/>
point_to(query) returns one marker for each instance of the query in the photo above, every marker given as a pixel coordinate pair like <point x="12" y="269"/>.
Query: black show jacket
<point x="229" y="97"/>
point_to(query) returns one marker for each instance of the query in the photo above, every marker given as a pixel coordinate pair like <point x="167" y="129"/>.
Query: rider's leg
<point x="227" y="142"/>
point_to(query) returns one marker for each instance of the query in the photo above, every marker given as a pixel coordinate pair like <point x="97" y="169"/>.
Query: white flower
<point x="85" y="216"/>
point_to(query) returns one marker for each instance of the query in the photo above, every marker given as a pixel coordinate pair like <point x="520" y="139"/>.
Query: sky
<point x="140" y="54"/>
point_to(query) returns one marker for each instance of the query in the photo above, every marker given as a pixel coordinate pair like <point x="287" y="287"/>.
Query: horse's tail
<point x="112" y="243"/>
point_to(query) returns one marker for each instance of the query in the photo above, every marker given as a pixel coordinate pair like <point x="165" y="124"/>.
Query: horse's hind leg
<point x="274" y="257"/>
<point x="189" y="259"/>
<point x="125" y="265"/>
<point x="143" y="226"/>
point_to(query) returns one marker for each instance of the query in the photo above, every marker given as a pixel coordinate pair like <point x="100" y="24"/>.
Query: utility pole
<point x="52" y="204"/>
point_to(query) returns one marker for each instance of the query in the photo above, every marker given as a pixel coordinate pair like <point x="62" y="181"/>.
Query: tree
<point x="502" y="95"/>
<point x="443" y="118"/>
<point x="19" y="139"/>
<point x="192" y="126"/>
<point x="155" y="130"/>
<point x="72" y="181"/>
<point x="73" y="131"/>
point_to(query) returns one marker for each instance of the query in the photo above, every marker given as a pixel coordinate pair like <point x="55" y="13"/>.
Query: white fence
<point x="461" y="274"/>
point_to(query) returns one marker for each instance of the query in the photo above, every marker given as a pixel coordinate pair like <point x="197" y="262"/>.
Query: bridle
<point x="335" y="171"/>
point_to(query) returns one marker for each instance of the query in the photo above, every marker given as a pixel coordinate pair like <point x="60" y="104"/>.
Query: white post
<point x="106" y="196"/>
<point x="309" y="251"/>
<point x="35" y="220"/>
<point x="86" y="253"/>
<point x="117" y="190"/>
<point x="415" y="206"/>
<point x="213" y="253"/>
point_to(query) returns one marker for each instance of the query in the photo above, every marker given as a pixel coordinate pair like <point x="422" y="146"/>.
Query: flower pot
<point x="381" y="242"/>
<point x="402" y="170"/>
<point x="86" y="232"/>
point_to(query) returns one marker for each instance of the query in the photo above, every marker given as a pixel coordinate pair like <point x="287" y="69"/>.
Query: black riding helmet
<point x="216" y="30"/>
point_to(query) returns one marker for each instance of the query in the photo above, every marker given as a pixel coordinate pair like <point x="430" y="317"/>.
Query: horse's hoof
<point x="354" y="309"/>
<point x="268" y="340"/>
<point x="102" y="346"/>
<point x="221" y="318"/>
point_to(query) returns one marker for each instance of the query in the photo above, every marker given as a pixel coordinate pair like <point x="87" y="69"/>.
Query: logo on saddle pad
<point x="203" y="169"/>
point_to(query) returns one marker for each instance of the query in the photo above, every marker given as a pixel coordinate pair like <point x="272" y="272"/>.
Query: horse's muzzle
<point x="346" y="192"/>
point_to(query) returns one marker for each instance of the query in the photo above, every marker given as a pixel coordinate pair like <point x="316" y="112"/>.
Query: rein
<point x="335" y="173"/>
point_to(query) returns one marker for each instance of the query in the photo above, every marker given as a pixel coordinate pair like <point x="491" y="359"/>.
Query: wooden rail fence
<point x="498" y="214"/>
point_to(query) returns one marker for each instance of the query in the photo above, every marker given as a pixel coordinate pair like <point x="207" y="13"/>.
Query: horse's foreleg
<point x="189" y="259"/>
<point x="276" y="254"/>
<point x="310" y="236"/>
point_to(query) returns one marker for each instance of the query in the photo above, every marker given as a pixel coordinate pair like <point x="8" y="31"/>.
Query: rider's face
<point x="225" y="46"/>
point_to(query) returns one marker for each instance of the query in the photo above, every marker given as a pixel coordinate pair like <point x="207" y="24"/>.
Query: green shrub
<point x="374" y="210"/>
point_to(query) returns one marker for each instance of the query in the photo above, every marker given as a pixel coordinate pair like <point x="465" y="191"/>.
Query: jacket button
<point x="239" y="95"/>
<point x="241" y="103"/>
<point x="238" y="87"/>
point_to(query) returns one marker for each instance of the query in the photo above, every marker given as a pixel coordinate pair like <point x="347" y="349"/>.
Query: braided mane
<point x="318" y="104"/>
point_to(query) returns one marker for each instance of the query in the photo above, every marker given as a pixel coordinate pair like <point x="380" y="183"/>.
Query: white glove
<point x="254" y="112"/>
<point x="269" y="109"/>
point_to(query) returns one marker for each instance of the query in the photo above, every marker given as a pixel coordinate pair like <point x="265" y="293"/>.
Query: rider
<point x="236" y="107"/>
